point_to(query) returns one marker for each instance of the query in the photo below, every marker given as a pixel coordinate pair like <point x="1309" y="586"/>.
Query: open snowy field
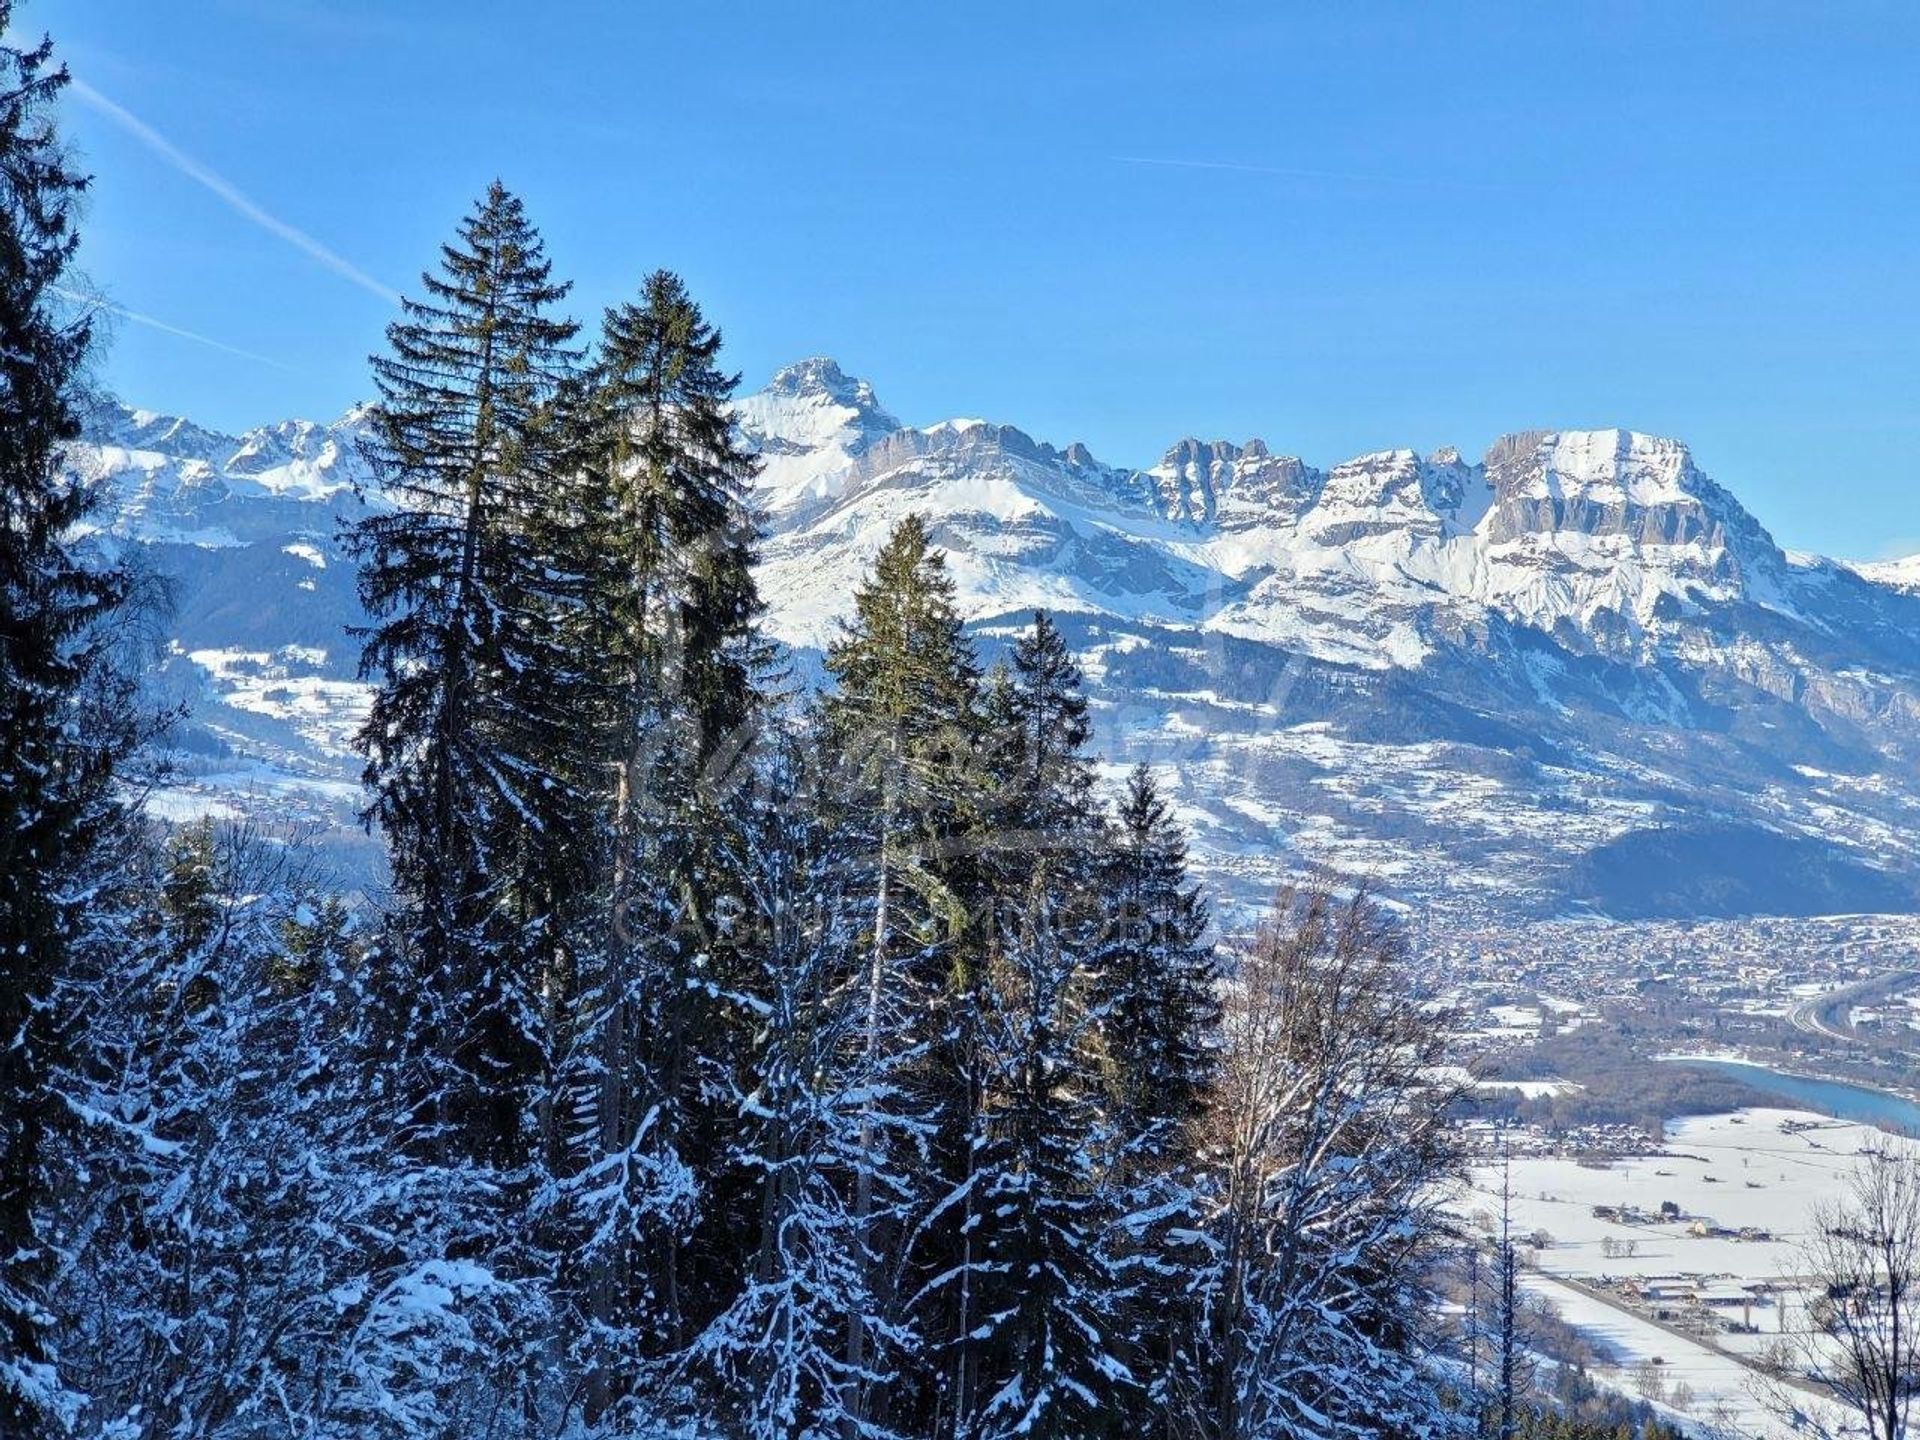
<point x="1743" y="1185"/>
<point x="1724" y="1403"/>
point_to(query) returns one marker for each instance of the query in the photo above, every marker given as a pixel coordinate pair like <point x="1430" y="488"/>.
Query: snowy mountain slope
<point x="810" y="424"/>
<point x="1575" y="674"/>
<point x="171" y="480"/>
<point x="243" y="530"/>
<point x="1902" y="574"/>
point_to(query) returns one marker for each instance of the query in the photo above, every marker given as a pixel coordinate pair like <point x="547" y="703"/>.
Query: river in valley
<point x="1858" y="1103"/>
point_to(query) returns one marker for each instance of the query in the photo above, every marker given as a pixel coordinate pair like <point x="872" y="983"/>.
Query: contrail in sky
<point x="99" y="303"/>
<point x="231" y="193"/>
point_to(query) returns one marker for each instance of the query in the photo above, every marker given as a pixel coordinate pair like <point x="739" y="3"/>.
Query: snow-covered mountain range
<point x="1575" y="674"/>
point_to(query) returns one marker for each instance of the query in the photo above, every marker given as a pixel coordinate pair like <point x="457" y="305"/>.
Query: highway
<point x="1813" y="1016"/>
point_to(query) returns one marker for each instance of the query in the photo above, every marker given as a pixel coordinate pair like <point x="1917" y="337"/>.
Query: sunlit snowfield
<point x="1758" y="1170"/>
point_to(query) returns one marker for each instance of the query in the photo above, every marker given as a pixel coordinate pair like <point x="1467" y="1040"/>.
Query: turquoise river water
<point x="1828" y="1097"/>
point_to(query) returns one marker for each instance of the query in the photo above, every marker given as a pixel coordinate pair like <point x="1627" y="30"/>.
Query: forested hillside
<point x="723" y="1056"/>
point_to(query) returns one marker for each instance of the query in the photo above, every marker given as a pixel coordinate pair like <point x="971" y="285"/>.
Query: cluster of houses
<point x="1597" y="1145"/>
<point x="1698" y="1226"/>
<point x="1757" y="967"/>
<point x="1704" y="1302"/>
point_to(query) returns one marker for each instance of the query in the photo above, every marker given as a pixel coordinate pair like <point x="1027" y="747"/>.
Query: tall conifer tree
<point x="816" y="1106"/>
<point x="1046" y="1295"/>
<point x="903" y="721"/>
<point x="903" y="724"/>
<point x="669" y="628"/>
<point x="675" y="595"/>
<point x="62" y="716"/>
<point x="1156" y="994"/>
<point x="1158" y="976"/>
<point x="472" y="712"/>
<point x="1049" y="1301"/>
<point x="1048" y="833"/>
<point x="1052" y="774"/>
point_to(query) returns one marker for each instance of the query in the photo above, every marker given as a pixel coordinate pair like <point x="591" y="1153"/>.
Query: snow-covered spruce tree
<point x="1048" y="784"/>
<point x="670" y="488"/>
<point x="1157" y="996"/>
<point x="1158" y="981"/>
<point x="823" y="1131"/>
<point x="63" y="724"/>
<point x="1048" y="1299"/>
<point x="668" y="630"/>
<point x="187" y="1023"/>
<point x="902" y="724"/>
<point x="906" y="799"/>
<point x="1327" y="1144"/>
<point x="472" y="710"/>
<point x="250" y="1255"/>
<point x="1038" y="1294"/>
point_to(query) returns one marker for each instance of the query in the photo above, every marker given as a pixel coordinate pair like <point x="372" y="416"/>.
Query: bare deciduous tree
<point x="1329" y="1138"/>
<point x="1862" y="1263"/>
<point x="1514" y="1369"/>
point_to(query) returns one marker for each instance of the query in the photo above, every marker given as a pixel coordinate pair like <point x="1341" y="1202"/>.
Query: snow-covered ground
<point x="1760" y="1171"/>
<point x="274" y="742"/>
<point x="326" y="712"/>
<point x="1724" y="1401"/>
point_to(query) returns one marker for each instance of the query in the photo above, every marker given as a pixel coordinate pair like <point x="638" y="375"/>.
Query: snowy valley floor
<point x="1756" y="1173"/>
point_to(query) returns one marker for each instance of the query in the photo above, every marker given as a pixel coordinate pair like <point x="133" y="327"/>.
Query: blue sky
<point x="1338" y="227"/>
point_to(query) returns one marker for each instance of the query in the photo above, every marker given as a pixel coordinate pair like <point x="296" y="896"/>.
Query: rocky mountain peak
<point x="1370" y="655"/>
<point x="1610" y="466"/>
<point x="112" y="422"/>
<point x="820" y="377"/>
<point x="809" y="425"/>
<point x="1234" y="486"/>
<point x="1625" y="486"/>
<point x="1390" y="492"/>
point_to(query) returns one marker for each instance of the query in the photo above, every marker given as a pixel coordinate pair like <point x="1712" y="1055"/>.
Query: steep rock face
<point x="1462" y="679"/>
<point x="1026" y="525"/>
<point x="1233" y="486"/>
<point x="1613" y="523"/>
<point x="298" y="456"/>
<point x="1577" y="638"/>
<point x="809" y="424"/>
<point x="1392" y="493"/>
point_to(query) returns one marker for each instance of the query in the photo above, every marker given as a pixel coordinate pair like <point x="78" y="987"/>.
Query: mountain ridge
<point x="1481" y="683"/>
